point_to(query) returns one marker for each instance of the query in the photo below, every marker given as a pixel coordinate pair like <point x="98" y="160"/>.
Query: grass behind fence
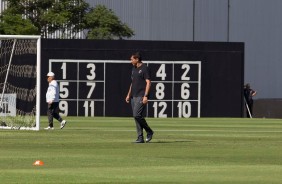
<point x="100" y="150"/>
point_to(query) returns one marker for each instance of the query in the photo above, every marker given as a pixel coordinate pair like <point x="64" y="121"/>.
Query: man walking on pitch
<point x="138" y="96"/>
<point x="52" y="99"/>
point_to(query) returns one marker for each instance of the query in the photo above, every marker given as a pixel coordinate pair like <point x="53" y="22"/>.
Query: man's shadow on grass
<point x="167" y="142"/>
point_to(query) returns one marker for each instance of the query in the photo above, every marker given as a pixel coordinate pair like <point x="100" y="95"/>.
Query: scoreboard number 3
<point x="92" y="71"/>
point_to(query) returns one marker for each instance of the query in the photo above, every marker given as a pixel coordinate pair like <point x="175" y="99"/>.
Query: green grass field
<point x="100" y="150"/>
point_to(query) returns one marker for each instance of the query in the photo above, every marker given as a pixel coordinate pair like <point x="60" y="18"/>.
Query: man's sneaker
<point x="63" y="124"/>
<point x="149" y="136"/>
<point x="139" y="141"/>
<point x="49" y="128"/>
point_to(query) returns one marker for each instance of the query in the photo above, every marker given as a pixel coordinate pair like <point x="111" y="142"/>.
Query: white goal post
<point x="20" y="59"/>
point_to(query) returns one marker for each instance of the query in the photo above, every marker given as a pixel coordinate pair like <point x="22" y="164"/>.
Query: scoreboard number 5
<point x="64" y="92"/>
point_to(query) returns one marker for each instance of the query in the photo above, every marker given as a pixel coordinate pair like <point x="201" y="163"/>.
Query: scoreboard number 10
<point x="175" y="87"/>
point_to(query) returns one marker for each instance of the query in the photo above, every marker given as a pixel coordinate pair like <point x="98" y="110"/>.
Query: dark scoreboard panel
<point x="88" y="87"/>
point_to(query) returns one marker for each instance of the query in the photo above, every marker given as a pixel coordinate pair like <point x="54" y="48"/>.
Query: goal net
<point x="20" y="82"/>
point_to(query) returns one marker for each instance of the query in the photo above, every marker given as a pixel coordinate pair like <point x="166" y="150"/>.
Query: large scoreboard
<point x="189" y="79"/>
<point x="87" y="87"/>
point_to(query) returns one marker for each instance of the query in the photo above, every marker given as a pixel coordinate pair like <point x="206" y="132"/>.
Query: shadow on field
<point x="167" y="142"/>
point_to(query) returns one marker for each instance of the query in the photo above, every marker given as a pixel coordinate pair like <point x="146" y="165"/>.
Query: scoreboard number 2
<point x="185" y="73"/>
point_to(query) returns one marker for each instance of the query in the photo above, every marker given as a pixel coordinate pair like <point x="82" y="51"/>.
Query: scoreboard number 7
<point x="92" y="87"/>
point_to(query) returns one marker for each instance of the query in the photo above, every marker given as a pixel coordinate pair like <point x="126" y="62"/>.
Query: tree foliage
<point x="14" y="24"/>
<point x="104" y="24"/>
<point x="37" y="17"/>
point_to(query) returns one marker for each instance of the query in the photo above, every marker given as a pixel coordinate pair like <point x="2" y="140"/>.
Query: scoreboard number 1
<point x="64" y="71"/>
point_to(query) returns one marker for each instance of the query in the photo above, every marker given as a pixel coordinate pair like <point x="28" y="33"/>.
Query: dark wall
<point x="267" y="108"/>
<point x="222" y="69"/>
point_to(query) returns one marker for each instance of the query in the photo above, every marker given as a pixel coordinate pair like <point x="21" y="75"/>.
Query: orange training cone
<point x="38" y="163"/>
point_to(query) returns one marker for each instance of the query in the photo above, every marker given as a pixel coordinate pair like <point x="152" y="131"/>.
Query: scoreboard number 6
<point x="185" y="93"/>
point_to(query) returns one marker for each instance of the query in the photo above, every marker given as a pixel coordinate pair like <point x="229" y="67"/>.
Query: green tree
<point x="104" y="24"/>
<point x="66" y="16"/>
<point x="14" y="24"/>
<point x="47" y="16"/>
